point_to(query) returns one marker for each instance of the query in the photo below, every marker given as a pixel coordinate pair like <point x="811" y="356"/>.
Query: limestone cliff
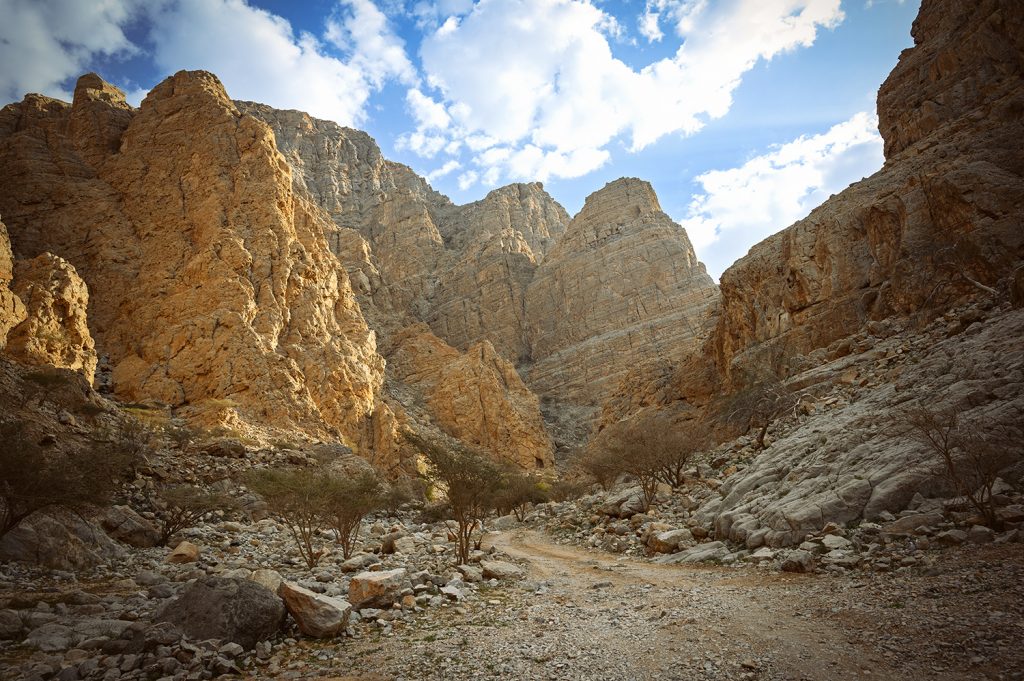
<point x="211" y="280"/>
<point x="939" y="222"/>
<point x="475" y="396"/>
<point x="838" y="304"/>
<point x="412" y="254"/>
<point x="55" y="331"/>
<point x="621" y="289"/>
<point x="12" y="310"/>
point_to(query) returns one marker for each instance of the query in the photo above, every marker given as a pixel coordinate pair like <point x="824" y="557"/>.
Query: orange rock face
<point x="210" y="278"/>
<point x="475" y="396"/>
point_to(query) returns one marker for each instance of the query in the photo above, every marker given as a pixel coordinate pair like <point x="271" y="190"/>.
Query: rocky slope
<point x="941" y="220"/>
<point x="622" y="289"/>
<point x="937" y="227"/>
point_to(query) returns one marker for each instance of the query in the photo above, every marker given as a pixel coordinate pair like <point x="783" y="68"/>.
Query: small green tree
<point x="352" y="498"/>
<point x="469" y="480"/>
<point x="517" y="492"/>
<point x="183" y="506"/>
<point x="303" y="500"/>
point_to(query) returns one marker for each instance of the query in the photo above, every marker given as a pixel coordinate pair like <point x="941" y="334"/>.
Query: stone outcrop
<point x="210" y="278"/>
<point x="939" y="222"/>
<point x="621" y="289"/>
<point x="55" y="331"/>
<point x="475" y="396"/>
<point x="12" y="310"/>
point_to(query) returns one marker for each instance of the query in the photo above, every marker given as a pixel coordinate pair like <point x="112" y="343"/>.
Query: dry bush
<point x="971" y="454"/>
<point x="183" y="506"/>
<point x="764" y="399"/>
<point x="302" y="499"/>
<point x="471" y="483"/>
<point x="351" y="500"/>
<point x="33" y="477"/>
<point x="518" y="490"/>
<point x="602" y="464"/>
<point x="565" y="489"/>
<point x="651" y="448"/>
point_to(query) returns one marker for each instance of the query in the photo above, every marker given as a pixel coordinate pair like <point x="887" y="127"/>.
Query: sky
<point x="743" y="114"/>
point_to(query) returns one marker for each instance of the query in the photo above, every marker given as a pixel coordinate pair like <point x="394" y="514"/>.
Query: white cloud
<point x="447" y="169"/>
<point x="257" y="55"/>
<point x="539" y="78"/>
<point x="363" y="31"/>
<point x="428" y="113"/>
<point x="468" y="179"/>
<point x="45" y="43"/>
<point x="648" y="26"/>
<point x="741" y="206"/>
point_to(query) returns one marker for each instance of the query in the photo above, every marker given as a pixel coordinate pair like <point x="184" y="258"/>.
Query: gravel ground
<point x="593" y="615"/>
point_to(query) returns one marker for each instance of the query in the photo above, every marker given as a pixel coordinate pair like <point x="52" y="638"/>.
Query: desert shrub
<point x="402" y="492"/>
<point x="33" y="477"/>
<point x="565" y="489"/>
<point x="302" y="499"/>
<point x="517" y="492"/>
<point x="352" y="498"/>
<point x="764" y="399"/>
<point x="470" y="480"/>
<point x="970" y="454"/>
<point x="183" y="506"/>
<point x="602" y="464"/>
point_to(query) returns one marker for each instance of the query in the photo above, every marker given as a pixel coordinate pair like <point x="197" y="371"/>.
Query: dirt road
<point x="583" y="615"/>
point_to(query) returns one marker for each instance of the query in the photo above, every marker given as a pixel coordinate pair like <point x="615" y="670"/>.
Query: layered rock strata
<point x="621" y="289"/>
<point x="941" y="220"/>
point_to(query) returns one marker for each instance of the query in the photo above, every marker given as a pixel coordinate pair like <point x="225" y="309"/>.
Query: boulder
<point x="708" y="551"/>
<point x="798" y="561"/>
<point x="499" y="569"/>
<point x="910" y="524"/>
<point x="377" y="589"/>
<point x="270" y="579"/>
<point x="669" y="541"/>
<point x="237" y="610"/>
<point x="358" y="562"/>
<point x="125" y="525"/>
<point x="185" y="552"/>
<point x="317" y="615"/>
<point x="60" y="540"/>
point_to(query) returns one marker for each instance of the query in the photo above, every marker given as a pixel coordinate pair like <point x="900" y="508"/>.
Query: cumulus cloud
<point x="447" y="169"/>
<point x="43" y="44"/>
<point x="258" y="56"/>
<point x="539" y="77"/>
<point x="741" y="206"/>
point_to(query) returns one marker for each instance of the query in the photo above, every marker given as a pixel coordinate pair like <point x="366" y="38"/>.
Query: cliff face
<point x="622" y="289"/>
<point x="941" y="218"/>
<point x="838" y="304"/>
<point x="413" y="255"/>
<point x="475" y="396"/>
<point x="211" y="279"/>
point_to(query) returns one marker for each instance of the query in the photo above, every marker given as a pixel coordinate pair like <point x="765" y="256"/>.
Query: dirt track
<point x="583" y="615"/>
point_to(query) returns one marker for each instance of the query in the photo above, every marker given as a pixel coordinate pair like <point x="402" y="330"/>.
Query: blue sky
<point x="744" y="114"/>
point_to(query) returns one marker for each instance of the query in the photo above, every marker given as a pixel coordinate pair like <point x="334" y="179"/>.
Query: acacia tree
<point x="469" y="480"/>
<point x="183" y="506"/>
<point x="302" y="499"/>
<point x="33" y="477"/>
<point x="352" y="498"/>
<point x="763" y="400"/>
<point x="603" y="464"/>
<point x="970" y="454"/>
<point x="517" y="492"/>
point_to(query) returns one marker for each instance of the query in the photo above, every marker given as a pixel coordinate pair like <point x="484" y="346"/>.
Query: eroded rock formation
<point x="940" y="220"/>
<point x="211" y="279"/>
<point x="475" y="396"/>
<point x="621" y="289"/>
